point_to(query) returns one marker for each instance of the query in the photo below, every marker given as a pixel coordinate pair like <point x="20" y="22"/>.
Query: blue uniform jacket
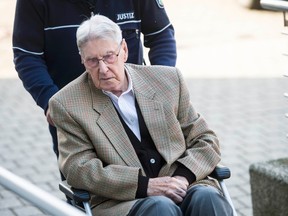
<point x="44" y="38"/>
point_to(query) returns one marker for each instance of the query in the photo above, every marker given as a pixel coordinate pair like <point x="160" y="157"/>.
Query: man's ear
<point x="82" y="60"/>
<point x="125" y="48"/>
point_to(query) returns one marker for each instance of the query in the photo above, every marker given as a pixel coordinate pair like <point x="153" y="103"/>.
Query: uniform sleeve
<point x="28" y="49"/>
<point x="158" y="33"/>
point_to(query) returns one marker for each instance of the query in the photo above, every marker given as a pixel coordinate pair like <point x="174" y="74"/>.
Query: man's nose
<point x="102" y="66"/>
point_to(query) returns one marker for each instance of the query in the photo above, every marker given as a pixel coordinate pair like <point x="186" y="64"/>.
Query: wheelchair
<point x="80" y="198"/>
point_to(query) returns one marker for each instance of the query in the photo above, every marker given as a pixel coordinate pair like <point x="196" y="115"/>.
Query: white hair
<point x="97" y="27"/>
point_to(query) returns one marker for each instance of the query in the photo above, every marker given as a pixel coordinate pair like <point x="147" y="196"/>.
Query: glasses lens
<point x="109" y="58"/>
<point x="93" y="62"/>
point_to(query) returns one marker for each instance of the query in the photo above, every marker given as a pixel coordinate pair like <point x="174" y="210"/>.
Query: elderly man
<point x="129" y="135"/>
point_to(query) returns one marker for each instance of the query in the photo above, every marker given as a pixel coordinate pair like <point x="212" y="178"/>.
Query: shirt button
<point x="152" y="160"/>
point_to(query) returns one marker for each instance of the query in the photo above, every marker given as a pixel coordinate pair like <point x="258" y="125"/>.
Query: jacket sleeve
<point x="158" y="33"/>
<point x="202" y="145"/>
<point x="28" y="49"/>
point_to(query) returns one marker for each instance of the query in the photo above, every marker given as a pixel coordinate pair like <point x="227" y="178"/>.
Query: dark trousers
<point x="201" y="200"/>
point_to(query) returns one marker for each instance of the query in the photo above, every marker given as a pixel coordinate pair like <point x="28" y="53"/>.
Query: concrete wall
<point x="269" y="187"/>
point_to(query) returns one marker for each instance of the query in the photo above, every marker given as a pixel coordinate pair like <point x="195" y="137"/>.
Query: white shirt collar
<point x="129" y="89"/>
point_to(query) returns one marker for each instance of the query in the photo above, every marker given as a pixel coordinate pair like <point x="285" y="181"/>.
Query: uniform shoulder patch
<point x="160" y="3"/>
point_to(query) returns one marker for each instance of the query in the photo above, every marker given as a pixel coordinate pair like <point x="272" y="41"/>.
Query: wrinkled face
<point x="104" y="61"/>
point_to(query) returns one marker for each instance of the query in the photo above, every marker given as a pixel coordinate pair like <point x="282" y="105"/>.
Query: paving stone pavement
<point x="247" y="115"/>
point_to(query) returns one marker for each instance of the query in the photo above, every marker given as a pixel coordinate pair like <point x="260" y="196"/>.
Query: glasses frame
<point x="95" y="64"/>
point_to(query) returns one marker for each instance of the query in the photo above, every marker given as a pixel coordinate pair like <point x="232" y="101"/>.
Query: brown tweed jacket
<point x="95" y="152"/>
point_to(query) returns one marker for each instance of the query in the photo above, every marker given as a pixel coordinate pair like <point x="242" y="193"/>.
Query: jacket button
<point x="152" y="160"/>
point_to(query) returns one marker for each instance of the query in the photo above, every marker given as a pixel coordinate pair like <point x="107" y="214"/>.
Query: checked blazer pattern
<point x="95" y="153"/>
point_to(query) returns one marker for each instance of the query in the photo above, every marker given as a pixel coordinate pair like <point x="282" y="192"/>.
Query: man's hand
<point x="174" y="188"/>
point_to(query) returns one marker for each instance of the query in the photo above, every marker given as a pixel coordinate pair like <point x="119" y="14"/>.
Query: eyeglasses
<point x="107" y="59"/>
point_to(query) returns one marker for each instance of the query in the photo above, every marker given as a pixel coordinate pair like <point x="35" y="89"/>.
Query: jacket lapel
<point x="153" y="114"/>
<point x="112" y="127"/>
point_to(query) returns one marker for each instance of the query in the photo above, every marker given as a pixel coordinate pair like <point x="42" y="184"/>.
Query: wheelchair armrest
<point x="77" y="195"/>
<point x="220" y="172"/>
